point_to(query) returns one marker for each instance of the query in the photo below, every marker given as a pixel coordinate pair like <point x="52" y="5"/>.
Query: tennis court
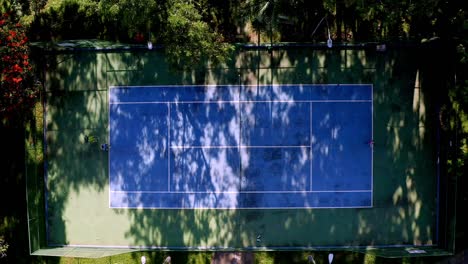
<point x="227" y="147"/>
<point x="274" y="151"/>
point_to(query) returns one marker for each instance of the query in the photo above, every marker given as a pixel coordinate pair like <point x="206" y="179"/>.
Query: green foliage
<point x="272" y="20"/>
<point x="189" y="41"/>
<point x="66" y="19"/>
<point x="131" y="17"/>
<point x="196" y="31"/>
<point x="458" y="118"/>
<point x="278" y="20"/>
<point x="17" y="88"/>
<point x="355" y="20"/>
<point x="263" y="14"/>
<point x="3" y="248"/>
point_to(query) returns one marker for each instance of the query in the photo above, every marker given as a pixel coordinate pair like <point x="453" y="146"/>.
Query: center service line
<point x="227" y="147"/>
<point x="311" y="150"/>
<point x="168" y="149"/>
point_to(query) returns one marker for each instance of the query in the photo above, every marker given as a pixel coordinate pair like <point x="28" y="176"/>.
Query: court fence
<point x="36" y="167"/>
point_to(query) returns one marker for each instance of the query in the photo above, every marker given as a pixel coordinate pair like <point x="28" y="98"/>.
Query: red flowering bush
<point x="17" y="89"/>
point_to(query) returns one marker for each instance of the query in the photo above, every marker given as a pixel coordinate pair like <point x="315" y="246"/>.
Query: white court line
<point x="231" y="192"/>
<point x="242" y="208"/>
<point x="246" y="101"/>
<point x="242" y="102"/>
<point x="230" y="147"/>
<point x="311" y="150"/>
<point x="303" y="248"/>
<point x="237" y="85"/>
<point x="239" y="143"/>
<point x="169" y="149"/>
<point x="109" y="158"/>
<point x="372" y="149"/>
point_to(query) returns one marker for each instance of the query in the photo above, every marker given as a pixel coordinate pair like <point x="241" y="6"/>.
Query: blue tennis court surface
<point x="268" y="146"/>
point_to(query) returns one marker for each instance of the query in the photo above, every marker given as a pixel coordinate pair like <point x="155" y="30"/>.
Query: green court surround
<point x="78" y="217"/>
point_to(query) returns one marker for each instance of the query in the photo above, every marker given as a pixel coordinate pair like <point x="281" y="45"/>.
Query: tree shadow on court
<point x="403" y="153"/>
<point x="204" y="228"/>
<point x="404" y="161"/>
<point x="405" y="171"/>
<point x="404" y="207"/>
<point x="75" y="127"/>
<point x="250" y="228"/>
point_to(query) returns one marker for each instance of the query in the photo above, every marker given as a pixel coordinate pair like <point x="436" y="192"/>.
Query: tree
<point x="17" y="88"/>
<point x="3" y="247"/>
<point x="131" y="17"/>
<point x="189" y="41"/>
<point x="263" y="15"/>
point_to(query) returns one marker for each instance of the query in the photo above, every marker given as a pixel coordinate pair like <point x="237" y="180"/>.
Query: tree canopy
<point x="197" y="31"/>
<point x="167" y="22"/>
<point x="194" y="32"/>
<point x="349" y="20"/>
<point x="189" y="39"/>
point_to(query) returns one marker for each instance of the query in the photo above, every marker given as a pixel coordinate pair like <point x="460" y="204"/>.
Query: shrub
<point x="17" y="88"/>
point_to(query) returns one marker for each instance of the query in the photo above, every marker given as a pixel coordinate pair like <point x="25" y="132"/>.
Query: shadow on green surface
<point x="21" y="141"/>
<point x="12" y="192"/>
<point x="405" y="107"/>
